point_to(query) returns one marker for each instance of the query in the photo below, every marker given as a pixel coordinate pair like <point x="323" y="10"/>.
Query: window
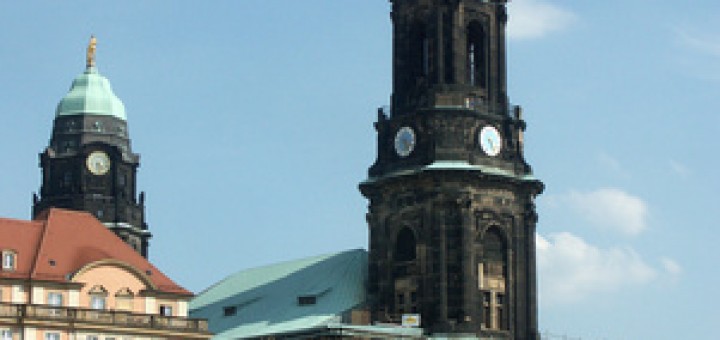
<point x="8" y="260"/>
<point x="419" y="52"/>
<point x="476" y="55"/>
<point x="55" y="299"/>
<point x="405" y="245"/>
<point x="166" y="310"/>
<point x="487" y="320"/>
<point x="52" y="336"/>
<point x="494" y="274"/>
<point x="499" y="299"/>
<point x="124" y="299"/>
<point x="98" y="294"/>
<point x="97" y="302"/>
<point x="6" y="335"/>
<point x="230" y="311"/>
<point x="307" y="300"/>
<point x="92" y="337"/>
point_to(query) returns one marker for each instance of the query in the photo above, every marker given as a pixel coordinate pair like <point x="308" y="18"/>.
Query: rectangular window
<point x="124" y="303"/>
<point x="8" y="261"/>
<point x="487" y="319"/>
<point x="6" y="335"/>
<point x="52" y="336"/>
<point x="499" y="299"/>
<point x="92" y="337"/>
<point x="97" y="302"/>
<point x="307" y="300"/>
<point x="230" y="311"/>
<point x="165" y="310"/>
<point x="54" y="299"/>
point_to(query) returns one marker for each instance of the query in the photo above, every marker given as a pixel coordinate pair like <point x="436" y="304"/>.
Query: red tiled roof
<point x="61" y="242"/>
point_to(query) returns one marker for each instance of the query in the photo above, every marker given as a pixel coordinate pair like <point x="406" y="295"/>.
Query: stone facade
<point x="451" y="213"/>
<point x="69" y="180"/>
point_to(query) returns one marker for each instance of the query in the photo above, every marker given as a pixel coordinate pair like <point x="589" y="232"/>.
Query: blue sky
<point x="254" y="122"/>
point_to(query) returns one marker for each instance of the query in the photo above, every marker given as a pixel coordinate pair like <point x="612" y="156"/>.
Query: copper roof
<point x="60" y="242"/>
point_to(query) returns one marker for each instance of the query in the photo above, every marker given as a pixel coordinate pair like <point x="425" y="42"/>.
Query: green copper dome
<point x="91" y="94"/>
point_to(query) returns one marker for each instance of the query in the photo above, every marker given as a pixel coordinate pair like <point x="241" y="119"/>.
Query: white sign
<point x="411" y="320"/>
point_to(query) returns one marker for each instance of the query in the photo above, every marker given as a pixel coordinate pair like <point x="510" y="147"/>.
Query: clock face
<point x="404" y="141"/>
<point x="490" y="140"/>
<point x="98" y="163"/>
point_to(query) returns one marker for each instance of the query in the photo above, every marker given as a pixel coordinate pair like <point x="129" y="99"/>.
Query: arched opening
<point x="419" y="52"/>
<point x="405" y="246"/>
<point x="405" y="256"/>
<point x="477" y="62"/>
<point x="493" y="275"/>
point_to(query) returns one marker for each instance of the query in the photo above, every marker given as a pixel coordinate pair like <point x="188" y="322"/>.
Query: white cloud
<point x="530" y="19"/>
<point x="671" y="267"/>
<point x="612" y="164"/>
<point x="680" y="169"/>
<point x="700" y="42"/>
<point x="610" y="208"/>
<point x="571" y="270"/>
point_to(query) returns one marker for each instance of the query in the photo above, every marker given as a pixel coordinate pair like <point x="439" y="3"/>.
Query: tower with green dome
<point x="89" y="164"/>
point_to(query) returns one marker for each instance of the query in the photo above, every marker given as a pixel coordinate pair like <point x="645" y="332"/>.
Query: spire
<point x="91" y="52"/>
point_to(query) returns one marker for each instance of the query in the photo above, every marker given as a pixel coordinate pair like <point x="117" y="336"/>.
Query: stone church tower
<point x="451" y="213"/>
<point x="89" y="164"/>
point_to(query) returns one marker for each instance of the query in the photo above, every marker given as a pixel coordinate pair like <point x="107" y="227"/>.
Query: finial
<point x="91" y="52"/>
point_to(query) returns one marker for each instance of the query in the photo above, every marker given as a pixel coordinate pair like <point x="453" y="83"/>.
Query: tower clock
<point x="89" y="164"/>
<point x="451" y="198"/>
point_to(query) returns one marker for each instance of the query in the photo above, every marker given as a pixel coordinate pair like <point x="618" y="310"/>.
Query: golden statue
<point x="91" y="52"/>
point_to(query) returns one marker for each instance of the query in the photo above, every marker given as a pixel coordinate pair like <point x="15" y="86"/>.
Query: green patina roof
<point x="91" y="94"/>
<point x="266" y="298"/>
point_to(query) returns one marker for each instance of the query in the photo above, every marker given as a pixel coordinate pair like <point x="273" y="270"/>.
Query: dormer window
<point x="124" y="299"/>
<point x="307" y="300"/>
<point x="8" y="260"/>
<point x="98" y="295"/>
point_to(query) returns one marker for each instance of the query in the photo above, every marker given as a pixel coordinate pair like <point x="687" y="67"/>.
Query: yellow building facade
<point x="65" y="276"/>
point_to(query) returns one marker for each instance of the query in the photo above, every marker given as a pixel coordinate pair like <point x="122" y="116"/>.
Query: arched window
<point x="406" y="297"/>
<point x="419" y="52"/>
<point x="98" y="296"/>
<point x="494" y="275"/>
<point x="477" y="62"/>
<point x="405" y="249"/>
<point x="494" y="251"/>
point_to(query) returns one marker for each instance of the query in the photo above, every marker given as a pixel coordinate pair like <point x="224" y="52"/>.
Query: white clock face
<point x="98" y="163"/>
<point x="404" y="141"/>
<point x="490" y="140"/>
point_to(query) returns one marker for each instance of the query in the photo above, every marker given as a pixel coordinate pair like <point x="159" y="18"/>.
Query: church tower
<point x="451" y="198"/>
<point x="89" y="164"/>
